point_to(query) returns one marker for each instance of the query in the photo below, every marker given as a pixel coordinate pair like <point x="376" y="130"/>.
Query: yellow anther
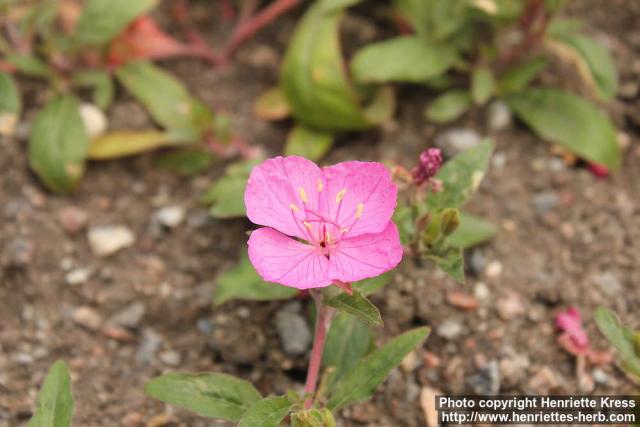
<point x="320" y="186"/>
<point x="327" y="237"/>
<point x="340" y="195"/>
<point x="344" y="230"/>
<point x="359" y="210"/>
<point x="303" y="195"/>
<point x="306" y="224"/>
<point x="294" y="207"/>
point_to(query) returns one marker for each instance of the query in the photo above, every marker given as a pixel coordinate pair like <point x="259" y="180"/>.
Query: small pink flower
<point x="574" y="336"/>
<point x="322" y="226"/>
<point x="430" y="163"/>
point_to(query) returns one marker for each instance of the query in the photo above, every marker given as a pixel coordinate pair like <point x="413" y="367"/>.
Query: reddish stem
<point x="247" y="29"/>
<point x="323" y="322"/>
<point x="533" y="23"/>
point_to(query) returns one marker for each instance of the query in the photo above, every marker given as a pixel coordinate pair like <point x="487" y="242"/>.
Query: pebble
<point x="499" y="116"/>
<point x="510" y="306"/>
<point x="148" y="347"/>
<point x="95" y="121"/>
<point x="499" y="160"/>
<point x="428" y="404"/>
<point x="128" y="317"/>
<point x="487" y="380"/>
<point x="20" y="252"/>
<point x="450" y="329"/>
<point x="457" y="140"/>
<point x="543" y="381"/>
<point x="481" y="291"/>
<point x="170" y="357"/>
<point x="294" y="332"/>
<point x="493" y="269"/>
<point x="73" y="219"/>
<point x="544" y="202"/>
<point x="87" y="317"/>
<point x="77" y="276"/>
<point x="600" y="376"/>
<point x="107" y="240"/>
<point x="462" y="300"/>
<point x="205" y="326"/>
<point x="513" y="369"/>
<point x="170" y="216"/>
<point x="410" y="362"/>
<point x="608" y="283"/>
<point x="477" y="261"/>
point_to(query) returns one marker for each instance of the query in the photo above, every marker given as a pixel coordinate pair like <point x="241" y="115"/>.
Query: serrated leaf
<point x="102" y="20"/>
<point x="569" y="121"/>
<point x="371" y="285"/>
<point x="272" y="105"/>
<point x="268" y="412"/>
<point x="313" y="77"/>
<point x="29" y="64"/>
<point x="10" y="104"/>
<point x="242" y="282"/>
<point x="118" y="144"/>
<point x="450" y="260"/>
<point x="621" y="337"/>
<point x="472" y="231"/>
<point x="166" y="99"/>
<point x="102" y="85"/>
<point x="482" y="85"/>
<point x="58" y="144"/>
<point x="226" y="194"/>
<point x="55" y="401"/>
<point x="461" y="177"/>
<point x="449" y="106"/>
<point x="598" y="61"/>
<point x="401" y="59"/>
<point x="360" y="383"/>
<point x="518" y="78"/>
<point x="188" y="161"/>
<point x="357" y="305"/>
<point x="211" y="395"/>
<point x="348" y="341"/>
<point x="306" y="142"/>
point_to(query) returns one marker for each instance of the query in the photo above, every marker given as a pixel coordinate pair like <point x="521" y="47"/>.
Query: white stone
<point x="498" y="116"/>
<point x="95" y="121"/>
<point x="170" y="216"/>
<point x="107" y="240"/>
<point x="77" y="276"/>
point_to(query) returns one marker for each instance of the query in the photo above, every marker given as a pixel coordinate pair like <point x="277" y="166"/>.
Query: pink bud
<point x="430" y="163"/>
<point x="599" y="170"/>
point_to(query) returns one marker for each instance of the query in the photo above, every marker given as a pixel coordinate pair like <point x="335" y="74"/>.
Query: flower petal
<point x="278" y="191"/>
<point x="281" y="259"/>
<point x="360" y="196"/>
<point x="369" y="255"/>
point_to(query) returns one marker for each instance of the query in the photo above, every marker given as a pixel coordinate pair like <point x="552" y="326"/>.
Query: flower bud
<point x="430" y="163"/>
<point x="449" y="221"/>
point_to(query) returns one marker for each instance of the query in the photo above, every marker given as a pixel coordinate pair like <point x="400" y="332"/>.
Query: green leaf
<point x="449" y="106"/>
<point x="570" y="121"/>
<point x="102" y="20"/>
<point x="360" y="383"/>
<point x="227" y="192"/>
<point x="307" y="142"/>
<point x="166" y="99"/>
<point x="30" y="65"/>
<point x="188" y="161"/>
<point x="268" y="412"/>
<point x="58" y="144"/>
<point x="370" y="286"/>
<point x="313" y="418"/>
<point x="519" y="77"/>
<point x="313" y="77"/>
<point x="403" y="217"/>
<point x="402" y="59"/>
<point x="482" y="85"/>
<point x="435" y="19"/>
<point x="620" y="337"/>
<point x="211" y="395"/>
<point x="10" y="104"/>
<point x="272" y="105"/>
<point x="55" y="401"/>
<point x="472" y="231"/>
<point x="450" y="260"/>
<point x="461" y="177"/>
<point x="242" y="282"/>
<point x="348" y="341"/>
<point x="357" y="305"/>
<point x="101" y="83"/>
<point x="561" y="27"/>
<point x="598" y="61"/>
<point x="381" y="108"/>
<point x="118" y="144"/>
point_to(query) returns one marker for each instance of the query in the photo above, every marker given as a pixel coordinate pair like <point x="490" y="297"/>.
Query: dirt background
<point x="566" y="239"/>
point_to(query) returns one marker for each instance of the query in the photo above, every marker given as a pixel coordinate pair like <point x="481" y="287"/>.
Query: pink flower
<point x="430" y="163"/>
<point x="575" y="337"/>
<point x="321" y="225"/>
